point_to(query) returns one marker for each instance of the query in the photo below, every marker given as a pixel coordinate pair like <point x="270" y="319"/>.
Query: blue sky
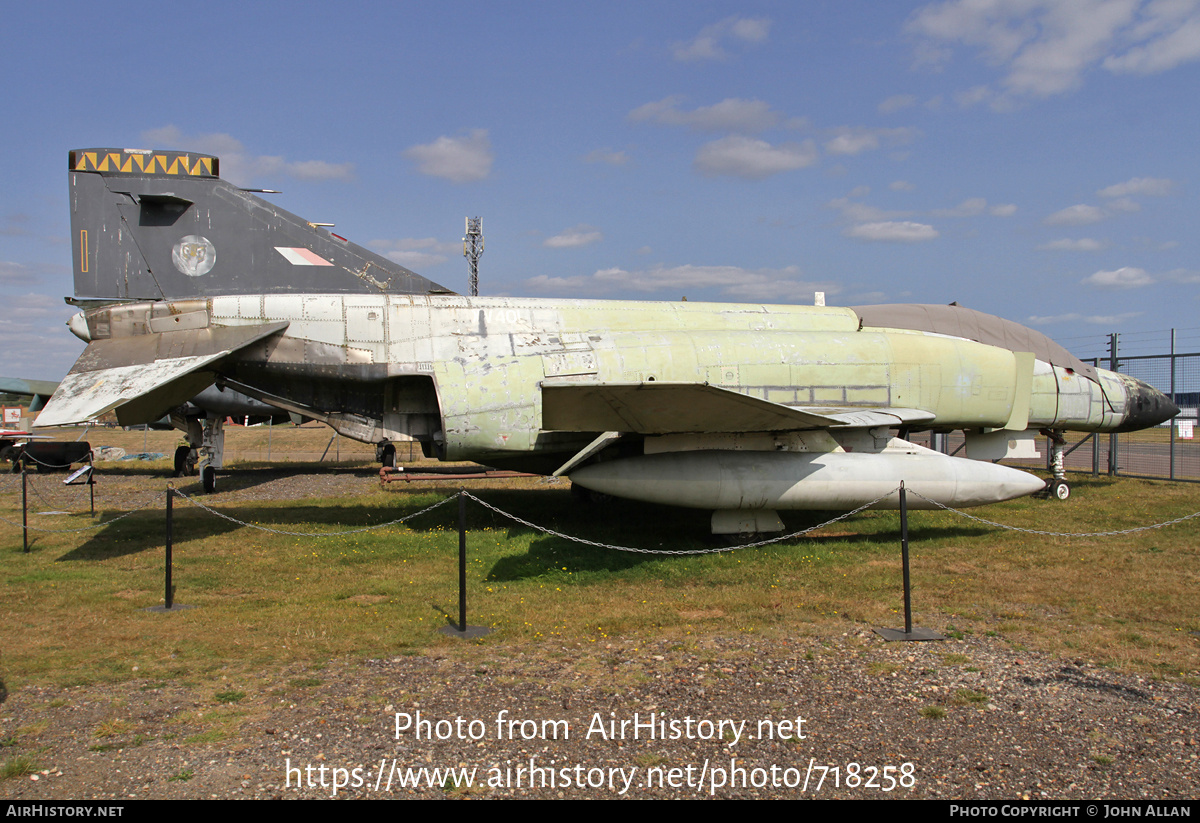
<point x="1035" y="160"/>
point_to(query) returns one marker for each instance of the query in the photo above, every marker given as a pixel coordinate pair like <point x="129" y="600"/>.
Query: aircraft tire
<point x="181" y="460"/>
<point x="389" y="456"/>
<point x="208" y="479"/>
<point x="1059" y="490"/>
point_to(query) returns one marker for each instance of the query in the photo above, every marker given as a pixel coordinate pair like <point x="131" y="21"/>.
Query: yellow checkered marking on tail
<point x="181" y="164"/>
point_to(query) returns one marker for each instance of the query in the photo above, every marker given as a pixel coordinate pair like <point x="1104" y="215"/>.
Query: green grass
<point x="19" y="766"/>
<point x="263" y="599"/>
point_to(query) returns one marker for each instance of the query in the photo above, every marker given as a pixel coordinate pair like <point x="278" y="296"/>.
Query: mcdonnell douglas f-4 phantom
<point x="743" y="410"/>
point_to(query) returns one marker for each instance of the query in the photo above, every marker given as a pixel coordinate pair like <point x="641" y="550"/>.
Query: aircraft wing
<point x="669" y="408"/>
<point x="144" y="376"/>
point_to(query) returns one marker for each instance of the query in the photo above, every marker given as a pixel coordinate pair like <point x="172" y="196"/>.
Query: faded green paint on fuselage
<point x="488" y="356"/>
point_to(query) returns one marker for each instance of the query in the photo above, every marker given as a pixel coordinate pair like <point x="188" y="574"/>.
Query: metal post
<point x="270" y="430"/>
<point x="1113" y="463"/>
<point x="904" y="559"/>
<point x="24" y="509"/>
<point x="462" y="561"/>
<point x="1171" y="423"/>
<point x="1095" y="438"/>
<point x="909" y="632"/>
<point x="169" y="596"/>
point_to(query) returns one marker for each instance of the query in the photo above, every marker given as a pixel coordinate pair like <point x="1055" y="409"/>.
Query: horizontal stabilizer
<point x="162" y="384"/>
<point x="144" y="376"/>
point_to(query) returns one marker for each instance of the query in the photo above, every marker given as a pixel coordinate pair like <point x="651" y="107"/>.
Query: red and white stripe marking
<point x="302" y="257"/>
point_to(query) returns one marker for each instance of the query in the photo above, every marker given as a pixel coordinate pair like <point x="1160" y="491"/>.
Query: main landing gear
<point x="1056" y="486"/>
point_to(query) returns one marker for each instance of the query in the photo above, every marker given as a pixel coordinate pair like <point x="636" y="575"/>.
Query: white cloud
<point x="733" y="281"/>
<point x="574" y="237"/>
<point x="319" y="170"/>
<point x="1123" y="204"/>
<point x="972" y="96"/>
<point x="36" y="342"/>
<point x="896" y="103"/>
<point x="612" y="158"/>
<point x="1126" y="277"/>
<point x="16" y="273"/>
<point x="461" y="159"/>
<point x="1149" y="186"/>
<point x="753" y="159"/>
<point x="416" y="253"/>
<point x="238" y="166"/>
<point x="849" y="140"/>
<point x="975" y="206"/>
<point x="1170" y="31"/>
<point x="1095" y="319"/>
<point x="892" y="231"/>
<point x="14" y="225"/>
<point x="1112" y="319"/>
<point x="12" y="273"/>
<point x="1182" y="276"/>
<point x="732" y="114"/>
<point x="970" y="207"/>
<point x="1045" y="47"/>
<point x="1066" y="244"/>
<point x="1051" y="319"/>
<point x="708" y="44"/>
<point x="855" y="212"/>
<point x="901" y="185"/>
<point x="1077" y="215"/>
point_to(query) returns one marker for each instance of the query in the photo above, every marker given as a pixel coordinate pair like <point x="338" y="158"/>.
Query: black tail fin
<point x="163" y="225"/>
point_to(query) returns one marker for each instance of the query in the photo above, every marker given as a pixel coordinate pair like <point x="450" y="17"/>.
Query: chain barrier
<point x="26" y="456"/>
<point x="717" y="550"/>
<point x="1056" y="534"/>
<point x="49" y="502"/>
<point x="93" y="526"/>
<point x="224" y="516"/>
<point x="597" y="544"/>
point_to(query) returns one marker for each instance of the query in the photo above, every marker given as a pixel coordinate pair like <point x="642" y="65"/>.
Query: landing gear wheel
<point x="389" y="457"/>
<point x="1058" y="490"/>
<point x="208" y="479"/>
<point x="183" y="466"/>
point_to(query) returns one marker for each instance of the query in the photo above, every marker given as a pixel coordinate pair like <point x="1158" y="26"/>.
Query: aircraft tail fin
<point x="163" y="225"/>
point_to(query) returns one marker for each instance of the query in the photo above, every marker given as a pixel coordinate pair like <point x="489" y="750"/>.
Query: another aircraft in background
<point x="741" y="409"/>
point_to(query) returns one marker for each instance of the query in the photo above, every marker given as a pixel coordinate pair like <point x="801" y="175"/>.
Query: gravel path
<point x="973" y="718"/>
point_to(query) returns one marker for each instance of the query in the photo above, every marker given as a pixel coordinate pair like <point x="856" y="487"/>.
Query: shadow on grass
<point x="660" y="529"/>
<point x="662" y="532"/>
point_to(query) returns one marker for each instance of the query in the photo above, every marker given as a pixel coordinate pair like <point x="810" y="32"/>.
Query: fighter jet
<point x="743" y="410"/>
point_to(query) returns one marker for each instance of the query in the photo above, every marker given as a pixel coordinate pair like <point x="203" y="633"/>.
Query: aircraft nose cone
<point x="1145" y="406"/>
